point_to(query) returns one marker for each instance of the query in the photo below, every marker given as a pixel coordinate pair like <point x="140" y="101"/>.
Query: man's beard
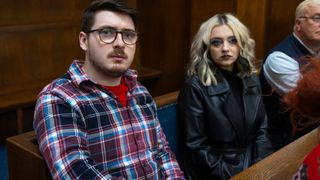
<point x="114" y="71"/>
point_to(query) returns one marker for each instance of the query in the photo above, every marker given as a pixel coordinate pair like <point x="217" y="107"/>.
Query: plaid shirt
<point x="84" y="132"/>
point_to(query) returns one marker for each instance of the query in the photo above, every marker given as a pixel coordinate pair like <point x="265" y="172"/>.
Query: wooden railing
<point x="282" y="164"/>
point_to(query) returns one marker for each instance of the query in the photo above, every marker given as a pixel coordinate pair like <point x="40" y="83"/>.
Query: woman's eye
<point x="233" y="40"/>
<point x="216" y="42"/>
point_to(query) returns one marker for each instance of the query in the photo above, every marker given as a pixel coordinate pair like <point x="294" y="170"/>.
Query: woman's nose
<point x="225" y="46"/>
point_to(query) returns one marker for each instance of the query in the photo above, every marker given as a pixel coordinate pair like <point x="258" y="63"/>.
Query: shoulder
<point x="252" y="81"/>
<point x="292" y="47"/>
<point x="59" y="90"/>
<point x="285" y="44"/>
<point x="58" y="84"/>
<point x="192" y="85"/>
<point x="193" y="81"/>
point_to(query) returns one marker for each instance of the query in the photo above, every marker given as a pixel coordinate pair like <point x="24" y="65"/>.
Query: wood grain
<point x="284" y="163"/>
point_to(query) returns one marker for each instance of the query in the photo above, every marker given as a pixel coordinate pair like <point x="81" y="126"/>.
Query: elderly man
<point x="281" y="69"/>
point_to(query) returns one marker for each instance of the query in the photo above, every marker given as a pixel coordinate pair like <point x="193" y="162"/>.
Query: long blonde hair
<point x="200" y="55"/>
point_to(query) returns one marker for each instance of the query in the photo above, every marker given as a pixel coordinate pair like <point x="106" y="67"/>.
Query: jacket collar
<point x="223" y="86"/>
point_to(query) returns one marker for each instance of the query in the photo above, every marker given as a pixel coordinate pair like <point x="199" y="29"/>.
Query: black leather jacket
<point x="219" y="141"/>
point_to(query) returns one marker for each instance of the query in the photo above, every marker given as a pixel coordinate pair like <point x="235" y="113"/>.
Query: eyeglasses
<point x="109" y="35"/>
<point x="315" y="18"/>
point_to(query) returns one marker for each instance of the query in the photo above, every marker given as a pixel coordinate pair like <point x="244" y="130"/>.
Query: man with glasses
<point x="281" y="69"/>
<point x="97" y="121"/>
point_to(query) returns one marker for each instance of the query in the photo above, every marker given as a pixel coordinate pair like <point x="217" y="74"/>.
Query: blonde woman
<point x="220" y="103"/>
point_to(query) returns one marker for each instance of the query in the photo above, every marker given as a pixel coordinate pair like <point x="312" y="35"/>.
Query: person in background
<point x="221" y="104"/>
<point x="280" y="71"/>
<point x="97" y="121"/>
<point x="303" y="102"/>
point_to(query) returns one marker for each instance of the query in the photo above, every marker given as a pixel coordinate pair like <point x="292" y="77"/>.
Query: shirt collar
<point x="78" y="75"/>
<point x="312" y="52"/>
<point x="76" y="72"/>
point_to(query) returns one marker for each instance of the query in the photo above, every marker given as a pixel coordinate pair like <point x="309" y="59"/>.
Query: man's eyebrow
<point x="106" y="27"/>
<point x="110" y="27"/>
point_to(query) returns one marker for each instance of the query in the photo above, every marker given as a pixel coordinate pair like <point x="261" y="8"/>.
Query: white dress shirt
<point x="281" y="71"/>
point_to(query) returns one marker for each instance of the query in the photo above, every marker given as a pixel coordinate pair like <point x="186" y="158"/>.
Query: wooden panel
<point x="136" y="62"/>
<point x="252" y="13"/>
<point x="164" y="41"/>
<point x="39" y="40"/>
<point x="280" y="21"/>
<point x="34" y="56"/>
<point x="35" y="11"/>
<point x="132" y="3"/>
<point x="204" y="9"/>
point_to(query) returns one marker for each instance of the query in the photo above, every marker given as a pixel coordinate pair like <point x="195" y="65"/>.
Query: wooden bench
<point x="282" y="164"/>
<point x="26" y="162"/>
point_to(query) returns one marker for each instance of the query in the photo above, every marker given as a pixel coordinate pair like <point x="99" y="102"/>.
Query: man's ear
<point x="297" y="23"/>
<point x="83" y="40"/>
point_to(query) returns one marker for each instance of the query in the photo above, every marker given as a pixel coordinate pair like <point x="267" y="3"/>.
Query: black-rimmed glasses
<point x="108" y="35"/>
<point x="315" y="18"/>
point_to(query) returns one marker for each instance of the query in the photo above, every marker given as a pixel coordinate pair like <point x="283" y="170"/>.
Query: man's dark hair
<point x="111" y="5"/>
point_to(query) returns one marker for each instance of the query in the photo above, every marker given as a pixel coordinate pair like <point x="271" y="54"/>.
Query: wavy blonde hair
<point x="201" y="61"/>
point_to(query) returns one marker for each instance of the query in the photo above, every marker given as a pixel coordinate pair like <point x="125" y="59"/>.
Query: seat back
<point x="24" y="158"/>
<point x="168" y="119"/>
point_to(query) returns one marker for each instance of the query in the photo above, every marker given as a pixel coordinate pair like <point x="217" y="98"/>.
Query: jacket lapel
<point x="235" y="117"/>
<point x="230" y="107"/>
<point x="252" y="99"/>
<point x="241" y="126"/>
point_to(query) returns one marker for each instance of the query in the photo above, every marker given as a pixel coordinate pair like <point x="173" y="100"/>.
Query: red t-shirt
<point x="120" y="91"/>
<point x="310" y="169"/>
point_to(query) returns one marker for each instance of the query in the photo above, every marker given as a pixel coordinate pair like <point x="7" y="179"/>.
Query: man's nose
<point x="118" y="41"/>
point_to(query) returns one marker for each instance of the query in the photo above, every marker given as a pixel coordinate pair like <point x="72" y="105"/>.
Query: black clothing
<point x="279" y="125"/>
<point x="225" y="125"/>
